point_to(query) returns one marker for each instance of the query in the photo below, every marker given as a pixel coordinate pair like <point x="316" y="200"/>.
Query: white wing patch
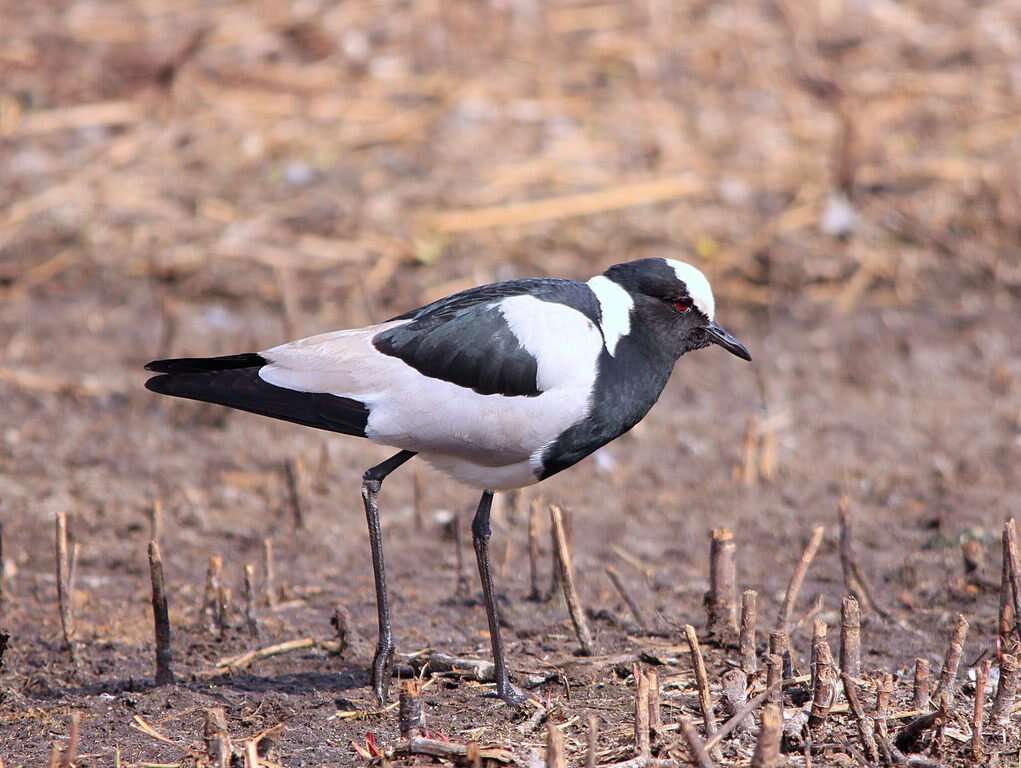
<point x="564" y="343"/>
<point x="615" y="304"/>
<point x="698" y="286"/>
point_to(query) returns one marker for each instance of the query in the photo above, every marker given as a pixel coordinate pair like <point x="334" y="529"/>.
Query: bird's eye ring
<point x="682" y="306"/>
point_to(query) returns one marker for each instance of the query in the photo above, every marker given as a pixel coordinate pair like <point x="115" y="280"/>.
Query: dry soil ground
<point x="261" y="172"/>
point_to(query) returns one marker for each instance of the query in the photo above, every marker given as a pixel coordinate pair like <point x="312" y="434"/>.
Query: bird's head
<point x="674" y="301"/>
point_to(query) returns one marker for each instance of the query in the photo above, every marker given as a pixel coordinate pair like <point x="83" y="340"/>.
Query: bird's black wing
<point x="465" y="338"/>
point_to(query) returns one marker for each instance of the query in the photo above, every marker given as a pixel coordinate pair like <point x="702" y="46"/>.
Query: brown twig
<point x="862" y="722"/>
<point x="721" y="600"/>
<point x="246" y="659"/>
<point x="794" y="587"/>
<point x="65" y="598"/>
<point x="953" y="658"/>
<point x="702" y="682"/>
<point x="920" y="690"/>
<point x="824" y="689"/>
<point x="160" y="617"/>
<point x="978" y="721"/>
<point x="1006" y="691"/>
<point x="583" y="204"/>
<point x="767" y="746"/>
<point x="850" y="636"/>
<point x="643" y="742"/>
<point x="410" y="710"/>
<point x="454" y="752"/>
<point x="248" y="601"/>
<point x="629" y="600"/>
<point x="747" y="639"/>
<point x="535" y="593"/>
<point x="581" y="628"/>
<point x="269" y="573"/>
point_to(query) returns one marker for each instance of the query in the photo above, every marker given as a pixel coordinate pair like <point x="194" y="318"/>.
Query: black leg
<point x="382" y="662"/>
<point x="480" y="538"/>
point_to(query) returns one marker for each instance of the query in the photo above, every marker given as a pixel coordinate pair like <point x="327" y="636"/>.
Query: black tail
<point x="234" y="381"/>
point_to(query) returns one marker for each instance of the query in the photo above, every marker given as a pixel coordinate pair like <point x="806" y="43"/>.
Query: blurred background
<point x="199" y="177"/>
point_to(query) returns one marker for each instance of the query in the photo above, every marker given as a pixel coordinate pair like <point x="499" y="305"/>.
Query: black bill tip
<point x="720" y="335"/>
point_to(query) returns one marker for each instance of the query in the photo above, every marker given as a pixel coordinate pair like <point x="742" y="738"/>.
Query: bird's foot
<point x="508" y="694"/>
<point x="382" y="672"/>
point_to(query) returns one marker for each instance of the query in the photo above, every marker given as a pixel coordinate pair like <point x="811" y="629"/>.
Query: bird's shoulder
<point x="569" y="293"/>
<point x="492" y="339"/>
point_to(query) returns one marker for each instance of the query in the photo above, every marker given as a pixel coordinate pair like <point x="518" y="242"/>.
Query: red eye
<point x="681" y="306"/>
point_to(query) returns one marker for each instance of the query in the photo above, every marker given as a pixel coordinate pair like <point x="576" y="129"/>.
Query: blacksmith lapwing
<point x="499" y="386"/>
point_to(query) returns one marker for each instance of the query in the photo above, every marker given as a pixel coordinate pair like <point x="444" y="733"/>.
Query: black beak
<point x="720" y="335"/>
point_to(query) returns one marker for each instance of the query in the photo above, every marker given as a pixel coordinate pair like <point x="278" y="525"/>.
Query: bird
<point x="499" y="386"/>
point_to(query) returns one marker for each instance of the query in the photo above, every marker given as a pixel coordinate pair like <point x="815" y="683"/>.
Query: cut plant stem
<point x="160" y="617"/>
<point x="216" y="738"/>
<point x="747" y="640"/>
<point x="1010" y="537"/>
<point x="824" y="688"/>
<point x="211" y="599"/>
<point x="556" y="757"/>
<point x="774" y="679"/>
<point x="953" y="658"/>
<point x="920" y="693"/>
<point x="248" y="600"/>
<point x="563" y="559"/>
<point x="767" y="746"/>
<point x="978" y="721"/>
<point x="410" y="713"/>
<point x="65" y="599"/>
<point x="1006" y="618"/>
<point x="592" y="742"/>
<point x="643" y="742"/>
<point x="702" y="682"/>
<point x="1006" y="691"/>
<point x="721" y="601"/>
<point x="798" y="577"/>
<point x="779" y="644"/>
<point x="655" y="712"/>
<point x="850" y="636"/>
